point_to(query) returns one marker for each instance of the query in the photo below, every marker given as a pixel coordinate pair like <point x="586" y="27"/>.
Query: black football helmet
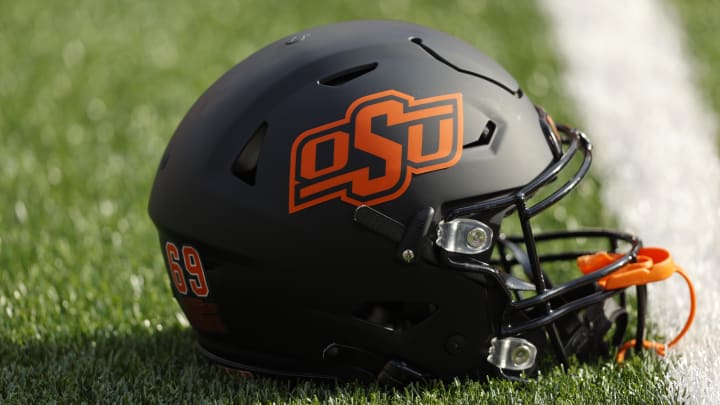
<point x="336" y="206"/>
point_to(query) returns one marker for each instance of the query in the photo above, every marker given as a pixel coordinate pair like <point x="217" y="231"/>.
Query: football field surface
<point x="90" y="93"/>
<point x="634" y="77"/>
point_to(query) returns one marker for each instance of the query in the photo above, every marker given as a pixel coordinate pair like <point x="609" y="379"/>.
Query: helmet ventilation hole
<point x="245" y="165"/>
<point x="396" y="316"/>
<point x="485" y="136"/>
<point x="347" y="75"/>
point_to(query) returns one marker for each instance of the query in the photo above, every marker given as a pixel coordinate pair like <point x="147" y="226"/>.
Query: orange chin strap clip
<point x="653" y="264"/>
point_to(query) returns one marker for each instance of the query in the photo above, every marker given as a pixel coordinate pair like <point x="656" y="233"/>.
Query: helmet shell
<point x="264" y="174"/>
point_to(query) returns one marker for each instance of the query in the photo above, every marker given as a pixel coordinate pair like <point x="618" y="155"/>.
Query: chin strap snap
<point x="653" y="264"/>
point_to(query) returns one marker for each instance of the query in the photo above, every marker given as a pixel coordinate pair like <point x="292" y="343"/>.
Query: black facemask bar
<point x="550" y="303"/>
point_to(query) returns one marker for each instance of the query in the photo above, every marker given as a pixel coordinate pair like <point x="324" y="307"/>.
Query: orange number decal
<point x="193" y="266"/>
<point x="176" y="273"/>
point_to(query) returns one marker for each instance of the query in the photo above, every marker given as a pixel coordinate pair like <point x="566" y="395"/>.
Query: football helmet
<point x="354" y="201"/>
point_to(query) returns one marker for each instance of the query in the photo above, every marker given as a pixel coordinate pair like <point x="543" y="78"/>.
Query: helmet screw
<point x="408" y="255"/>
<point x="455" y="344"/>
<point x="520" y="355"/>
<point x="476" y="238"/>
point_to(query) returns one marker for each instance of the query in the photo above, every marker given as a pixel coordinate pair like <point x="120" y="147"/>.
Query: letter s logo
<point x="370" y="156"/>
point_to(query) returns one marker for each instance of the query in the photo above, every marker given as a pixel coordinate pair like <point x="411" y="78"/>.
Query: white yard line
<point x="633" y="85"/>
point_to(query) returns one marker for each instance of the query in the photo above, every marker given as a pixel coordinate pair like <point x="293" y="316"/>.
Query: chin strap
<point x="653" y="264"/>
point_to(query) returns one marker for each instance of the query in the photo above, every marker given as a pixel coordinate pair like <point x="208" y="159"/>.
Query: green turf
<point x="90" y="93"/>
<point x="700" y="22"/>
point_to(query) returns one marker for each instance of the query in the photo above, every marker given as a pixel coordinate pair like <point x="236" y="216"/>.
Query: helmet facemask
<point x="536" y="268"/>
<point x="574" y="314"/>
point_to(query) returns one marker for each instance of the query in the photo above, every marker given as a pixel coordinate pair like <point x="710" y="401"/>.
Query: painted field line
<point x="632" y="80"/>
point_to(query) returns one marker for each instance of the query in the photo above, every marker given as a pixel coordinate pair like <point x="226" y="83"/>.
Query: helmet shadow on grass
<point x="150" y="366"/>
<point x="155" y="366"/>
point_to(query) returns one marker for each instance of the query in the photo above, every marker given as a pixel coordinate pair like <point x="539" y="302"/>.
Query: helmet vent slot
<point x="396" y="316"/>
<point x="245" y="165"/>
<point x="347" y="75"/>
<point x="485" y="136"/>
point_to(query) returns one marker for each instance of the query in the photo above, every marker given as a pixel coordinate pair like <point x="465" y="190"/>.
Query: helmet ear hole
<point x="396" y="316"/>
<point x="245" y="165"/>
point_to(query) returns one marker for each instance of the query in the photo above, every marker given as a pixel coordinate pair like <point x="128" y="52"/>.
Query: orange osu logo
<point x="370" y="155"/>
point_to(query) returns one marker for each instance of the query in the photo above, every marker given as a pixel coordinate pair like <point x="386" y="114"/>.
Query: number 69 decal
<point x="186" y="258"/>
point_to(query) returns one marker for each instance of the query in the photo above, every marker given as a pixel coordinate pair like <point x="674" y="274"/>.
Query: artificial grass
<point x="90" y="93"/>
